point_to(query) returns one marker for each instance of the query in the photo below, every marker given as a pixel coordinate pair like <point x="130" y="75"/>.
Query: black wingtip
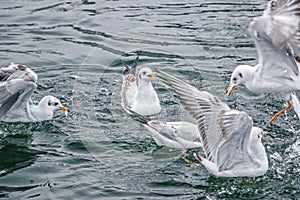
<point x="196" y="155"/>
<point x="142" y="118"/>
<point x="126" y="69"/>
<point x="130" y="70"/>
<point x="134" y="65"/>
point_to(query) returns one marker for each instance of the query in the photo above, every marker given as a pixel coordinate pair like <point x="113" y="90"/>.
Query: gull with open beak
<point x="137" y="92"/>
<point x="15" y="98"/>
<point x="276" y="35"/>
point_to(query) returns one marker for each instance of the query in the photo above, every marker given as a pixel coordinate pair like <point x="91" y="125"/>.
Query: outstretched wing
<point x="224" y="132"/>
<point x="15" y="96"/>
<point x="203" y="107"/>
<point x="234" y="146"/>
<point x="276" y="36"/>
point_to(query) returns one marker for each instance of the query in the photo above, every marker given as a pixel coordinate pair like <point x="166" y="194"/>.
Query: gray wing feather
<point x="281" y="7"/>
<point x="203" y="107"/>
<point x="15" y="94"/>
<point x="234" y="146"/>
<point x="8" y="103"/>
<point x="4" y="75"/>
<point x="276" y="36"/>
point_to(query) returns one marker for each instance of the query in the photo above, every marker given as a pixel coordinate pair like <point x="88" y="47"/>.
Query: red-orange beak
<point x="230" y="88"/>
<point x="151" y="76"/>
<point x="65" y="109"/>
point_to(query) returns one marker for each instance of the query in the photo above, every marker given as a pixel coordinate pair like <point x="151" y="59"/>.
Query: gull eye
<point x="55" y="103"/>
<point x="144" y="73"/>
<point x="234" y="79"/>
<point x="49" y="103"/>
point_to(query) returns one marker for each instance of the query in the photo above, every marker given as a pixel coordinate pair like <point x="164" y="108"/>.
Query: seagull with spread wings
<point x="276" y="35"/>
<point x="231" y="144"/>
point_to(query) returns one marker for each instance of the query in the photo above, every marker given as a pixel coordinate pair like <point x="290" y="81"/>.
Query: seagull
<point x="276" y="35"/>
<point x="137" y="92"/>
<point x="14" y="71"/>
<point x="178" y="135"/>
<point x="231" y="144"/>
<point x="15" y="98"/>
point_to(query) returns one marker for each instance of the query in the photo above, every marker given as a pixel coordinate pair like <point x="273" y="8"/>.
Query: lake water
<point x="99" y="152"/>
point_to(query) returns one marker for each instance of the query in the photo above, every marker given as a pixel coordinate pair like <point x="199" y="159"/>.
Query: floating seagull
<point x="277" y="38"/>
<point x="15" y="99"/>
<point x="232" y="146"/>
<point x="179" y="135"/>
<point x="137" y="92"/>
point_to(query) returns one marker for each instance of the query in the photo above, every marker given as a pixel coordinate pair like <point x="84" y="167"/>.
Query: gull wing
<point x="234" y="146"/>
<point x="276" y="37"/>
<point x="203" y="107"/>
<point x="130" y="70"/>
<point x="15" y="95"/>
<point x="5" y="72"/>
<point x="129" y="86"/>
<point x="186" y="130"/>
<point x="4" y="75"/>
<point x="224" y="132"/>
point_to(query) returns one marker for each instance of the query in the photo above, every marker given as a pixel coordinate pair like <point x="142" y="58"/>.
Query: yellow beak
<point x="230" y="88"/>
<point x="152" y="77"/>
<point x="65" y="109"/>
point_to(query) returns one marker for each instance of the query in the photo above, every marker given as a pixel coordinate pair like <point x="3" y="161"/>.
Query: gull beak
<point x="265" y="133"/>
<point x="230" y="88"/>
<point x="151" y="76"/>
<point x="65" y="109"/>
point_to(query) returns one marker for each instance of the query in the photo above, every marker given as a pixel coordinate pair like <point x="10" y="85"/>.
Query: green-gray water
<point x="99" y="152"/>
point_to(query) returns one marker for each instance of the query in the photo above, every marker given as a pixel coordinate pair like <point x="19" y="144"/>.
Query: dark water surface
<point x="99" y="152"/>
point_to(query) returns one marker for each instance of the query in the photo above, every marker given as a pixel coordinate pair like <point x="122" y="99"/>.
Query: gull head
<point x="52" y="103"/>
<point x="239" y="76"/>
<point x="257" y="133"/>
<point x="20" y="71"/>
<point x="146" y="74"/>
<point x="29" y="75"/>
<point x="13" y="67"/>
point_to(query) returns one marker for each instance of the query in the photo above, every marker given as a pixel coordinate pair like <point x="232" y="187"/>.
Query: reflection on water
<point x="99" y="152"/>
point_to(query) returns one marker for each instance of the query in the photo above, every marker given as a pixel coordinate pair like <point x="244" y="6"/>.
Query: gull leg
<point x="192" y="164"/>
<point x="274" y="118"/>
